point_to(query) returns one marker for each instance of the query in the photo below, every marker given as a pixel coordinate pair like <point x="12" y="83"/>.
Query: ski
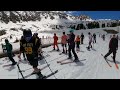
<point x="63" y="53"/>
<point x="45" y="77"/>
<point x="116" y="65"/>
<point x="106" y="61"/>
<point x="62" y="63"/>
<point x="8" y="65"/>
<point x="40" y="69"/>
<point x="34" y="73"/>
<point x="62" y="60"/>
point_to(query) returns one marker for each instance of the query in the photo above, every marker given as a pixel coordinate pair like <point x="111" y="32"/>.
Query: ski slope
<point x="94" y="67"/>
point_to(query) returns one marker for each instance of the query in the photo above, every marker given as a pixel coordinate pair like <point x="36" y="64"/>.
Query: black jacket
<point x="113" y="44"/>
<point x="82" y="36"/>
<point x="71" y="40"/>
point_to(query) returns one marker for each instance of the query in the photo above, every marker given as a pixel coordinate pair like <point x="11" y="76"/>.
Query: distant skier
<point x="90" y="41"/>
<point x="94" y="38"/>
<point x="30" y="45"/>
<point x="113" y="47"/>
<point x="64" y="42"/>
<point x="72" y="46"/>
<point x="103" y="36"/>
<point x="77" y="43"/>
<point x="9" y="51"/>
<point x="82" y="38"/>
<point x="55" y="37"/>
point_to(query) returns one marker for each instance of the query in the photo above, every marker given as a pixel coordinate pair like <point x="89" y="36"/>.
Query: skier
<point x="64" y="42"/>
<point x="113" y="47"/>
<point x="77" y="43"/>
<point x="103" y="36"/>
<point x="72" y="46"/>
<point x="24" y="56"/>
<point x="30" y="45"/>
<point x="82" y="37"/>
<point x="90" y="41"/>
<point x="55" y="37"/>
<point x="9" y="51"/>
<point x="94" y="38"/>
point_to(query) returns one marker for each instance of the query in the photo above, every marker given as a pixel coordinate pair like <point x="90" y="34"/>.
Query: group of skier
<point x="30" y="46"/>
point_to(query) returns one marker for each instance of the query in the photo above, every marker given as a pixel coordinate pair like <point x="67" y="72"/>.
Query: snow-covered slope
<point x="91" y="66"/>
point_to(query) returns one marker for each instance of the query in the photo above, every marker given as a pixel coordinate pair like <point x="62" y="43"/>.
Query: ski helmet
<point x="6" y="40"/>
<point x="71" y="30"/>
<point x="27" y="34"/>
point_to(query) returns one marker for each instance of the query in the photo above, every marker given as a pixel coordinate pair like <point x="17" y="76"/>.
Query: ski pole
<point x="49" y="67"/>
<point x="20" y="71"/>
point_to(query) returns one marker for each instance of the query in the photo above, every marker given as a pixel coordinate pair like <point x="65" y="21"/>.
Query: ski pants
<point x="55" y="44"/>
<point x="111" y="51"/>
<point x="73" y="51"/>
<point x="10" y="56"/>
<point x="78" y="44"/>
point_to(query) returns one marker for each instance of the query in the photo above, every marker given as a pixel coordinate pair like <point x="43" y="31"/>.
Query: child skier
<point x="9" y="51"/>
<point x="30" y="45"/>
<point x="90" y="41"/>
<point x="55" y="37"/>
<point x="64" y="42"/>
<point x="77" y="43"/>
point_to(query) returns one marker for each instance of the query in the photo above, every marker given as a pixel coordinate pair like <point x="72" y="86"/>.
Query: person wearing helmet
<point x="72" y="46"/>
<point x="9" y="51"/>
<point x="30" y="45"/>
<point x="55" y="37"/>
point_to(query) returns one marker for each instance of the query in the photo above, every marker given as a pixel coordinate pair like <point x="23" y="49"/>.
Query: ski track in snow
<point x="94" y="67"/>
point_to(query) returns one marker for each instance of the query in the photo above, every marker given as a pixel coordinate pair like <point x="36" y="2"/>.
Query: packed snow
<point x="91" y="66"/>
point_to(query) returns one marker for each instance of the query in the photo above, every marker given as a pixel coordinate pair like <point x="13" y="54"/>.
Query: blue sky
<point x="98" y="14"/>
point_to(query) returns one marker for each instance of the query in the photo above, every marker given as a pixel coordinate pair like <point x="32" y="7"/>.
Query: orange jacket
<point x="64" y="39"/>
<point x="55" y="38"/>
<point x="77" y="39"/>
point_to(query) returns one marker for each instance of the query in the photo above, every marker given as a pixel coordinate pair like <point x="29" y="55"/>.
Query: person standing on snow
<point x="64" y="42"/>
<point x="94" y="38"/>
<point x="72" y="46"/>
<point x="30" y="46"/>
<point x="82" y="37"/>
<point x="77" y="43"/>
<point x="9" y="51"/>
<point x="90" y="41"/>
<point x="55" y="37"/>
<point x="103" y="36"/>
<point x="113" y="47"/>
<point x="24" y="56"/>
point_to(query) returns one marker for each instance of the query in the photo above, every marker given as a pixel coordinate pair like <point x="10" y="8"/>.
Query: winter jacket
<point x="113" y="44"/>
<point x="71" y="40"/>
<point x="55" y="39"/>
<point x="8" y="48"/>
<point x="64" y="39"/>
<point x="90" y="38"/>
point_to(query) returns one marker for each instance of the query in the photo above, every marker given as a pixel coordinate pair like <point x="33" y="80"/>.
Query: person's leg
<point x="69" y="50"/>
<point x="74" y="53"/>
<point x="110" y="51"/>
<point x="11" y="58"/>
<point x="114" y="55"/>
<point x="63" y="48"/>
